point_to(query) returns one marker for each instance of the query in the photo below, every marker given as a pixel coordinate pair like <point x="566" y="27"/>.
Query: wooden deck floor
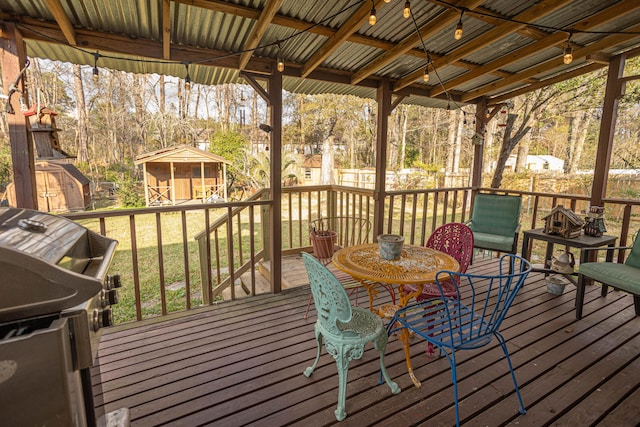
<point x="241" y="363"/>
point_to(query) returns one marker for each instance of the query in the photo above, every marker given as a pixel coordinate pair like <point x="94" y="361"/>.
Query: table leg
<point x="404" y="338"/>
<point x="371" y="291"/>
<point x="526" y="248"/>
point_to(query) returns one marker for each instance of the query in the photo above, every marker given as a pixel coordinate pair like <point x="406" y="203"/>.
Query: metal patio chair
<point x="471" y="318"/>
<point x="495" y="222"/>
<point x="350" y="232"/>
<point x="454" y="239"/>
<point x="345" y="329"/>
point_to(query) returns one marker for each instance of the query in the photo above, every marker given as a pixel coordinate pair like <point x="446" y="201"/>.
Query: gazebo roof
<point x="179" y="153"/>
<point x="508" y="47"/>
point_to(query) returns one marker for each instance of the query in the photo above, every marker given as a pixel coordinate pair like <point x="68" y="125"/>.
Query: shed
<point x="61" y="187"/>
<point x="183" y="173"/>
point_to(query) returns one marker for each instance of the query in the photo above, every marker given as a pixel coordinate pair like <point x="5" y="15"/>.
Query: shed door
<point x="50" y="186"/>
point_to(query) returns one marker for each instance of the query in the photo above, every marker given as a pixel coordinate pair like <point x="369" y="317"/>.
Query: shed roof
<point x="186" y="153"/>
<point x="508" y="47"/>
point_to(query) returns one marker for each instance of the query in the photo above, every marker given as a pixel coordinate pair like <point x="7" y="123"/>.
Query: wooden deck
<point x="241" y="363"/>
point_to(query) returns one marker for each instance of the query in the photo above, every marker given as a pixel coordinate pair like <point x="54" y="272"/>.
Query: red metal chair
<point x="454" y="239"/>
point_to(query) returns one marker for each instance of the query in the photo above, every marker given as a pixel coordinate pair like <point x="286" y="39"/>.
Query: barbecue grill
<point x="55" y="298"/>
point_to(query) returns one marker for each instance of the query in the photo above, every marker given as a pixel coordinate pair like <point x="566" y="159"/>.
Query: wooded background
<point x="107" y="121"/>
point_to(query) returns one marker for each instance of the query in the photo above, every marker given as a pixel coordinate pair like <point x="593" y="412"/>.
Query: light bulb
<point x="280" y="65"/>
<point x="187" y="82"/>
<point x="96" y="75"/>
<point x="458" y="34"/>
<point x="372" y="17"/>
<point x="425" y="77"/>
<point x="567" y="58"/>
<point x="407" y="10"/>
<point x="387" y="1"/>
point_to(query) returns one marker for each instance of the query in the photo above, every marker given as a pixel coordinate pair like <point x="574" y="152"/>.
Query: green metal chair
<point x="625" y="277"/>
<point x="495" y="222"/>
<point x="346" y="329"/>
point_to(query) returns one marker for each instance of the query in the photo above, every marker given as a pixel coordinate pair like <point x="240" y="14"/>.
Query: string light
<point x="96" y="75"/>
<point x="280" y="61"/>
<point x="567" y="58"/>
<point x="372" y="15"/>
<point x="458" y="34"/>
<point x="187" y="78"/>
<point x="425" y="77"/>
<point x="407" y="9"/>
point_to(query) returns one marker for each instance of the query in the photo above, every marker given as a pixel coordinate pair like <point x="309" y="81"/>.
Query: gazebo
<point x="182" y="173"/>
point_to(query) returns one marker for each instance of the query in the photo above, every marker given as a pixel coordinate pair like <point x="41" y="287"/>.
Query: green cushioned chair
<point x="495" y="222"/>
<point x="624" y="277"/>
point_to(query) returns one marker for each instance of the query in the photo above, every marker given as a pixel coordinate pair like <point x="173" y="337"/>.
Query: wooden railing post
<point x="265" y="215"/>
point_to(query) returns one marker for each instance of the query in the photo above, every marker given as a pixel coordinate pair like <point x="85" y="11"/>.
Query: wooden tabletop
<point x="417" y="264"/>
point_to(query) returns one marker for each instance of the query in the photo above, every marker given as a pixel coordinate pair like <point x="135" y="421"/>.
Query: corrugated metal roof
<point x="221" y="29"/>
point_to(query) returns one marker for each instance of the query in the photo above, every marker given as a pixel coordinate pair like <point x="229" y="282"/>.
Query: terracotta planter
<point x="324" y="243"/>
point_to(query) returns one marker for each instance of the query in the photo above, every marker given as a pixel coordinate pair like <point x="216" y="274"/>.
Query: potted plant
<point x="322" y="239"/>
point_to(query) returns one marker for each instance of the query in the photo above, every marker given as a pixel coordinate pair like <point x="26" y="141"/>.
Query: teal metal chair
<point x="471" y="318"/>
<point x="495" y="222"/>
<point x="345" y="329"/>
<point x="624" y="277"/>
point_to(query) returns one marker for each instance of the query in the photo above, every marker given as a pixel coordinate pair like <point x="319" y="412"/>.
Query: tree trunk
<point x="82" y="134"/>
<point x="451" y="141"/>
<point x="326" y="175"/>
<point x="509" y="142"/>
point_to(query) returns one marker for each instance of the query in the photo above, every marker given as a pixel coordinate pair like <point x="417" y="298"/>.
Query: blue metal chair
<point x="471" y="318"/>
<point x="346" y="329"/>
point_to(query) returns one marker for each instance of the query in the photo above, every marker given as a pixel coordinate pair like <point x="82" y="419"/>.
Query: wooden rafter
<point x="55" y="7"/>
<point x="166" y="29"/>
<point x="504" y="29"/>
<point x="588" y="68"/>
<point x="600" y="18"/>
<point x="352" y="24"/>
<point x="411" y="41"/>
<point x="546" y="66"/>
<point x="260" y="27"/>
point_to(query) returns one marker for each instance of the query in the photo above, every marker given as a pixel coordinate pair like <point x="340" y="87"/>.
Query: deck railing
<point x="170" y="264"/>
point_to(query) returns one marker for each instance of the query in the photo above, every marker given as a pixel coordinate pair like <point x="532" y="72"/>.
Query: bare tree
<point x="82" y="126"/>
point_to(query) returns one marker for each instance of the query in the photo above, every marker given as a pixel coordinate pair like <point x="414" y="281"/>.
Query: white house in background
<point x="538" y="163"/>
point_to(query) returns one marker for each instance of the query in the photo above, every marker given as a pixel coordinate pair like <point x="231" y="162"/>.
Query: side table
<point x="581" y="242"/>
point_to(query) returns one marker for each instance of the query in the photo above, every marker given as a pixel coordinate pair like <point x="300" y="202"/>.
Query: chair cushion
<point x="634" y="257"/>
<point x="622" y="276"/>
<point x="495" y="214"/>
<point x="493" y="241"/>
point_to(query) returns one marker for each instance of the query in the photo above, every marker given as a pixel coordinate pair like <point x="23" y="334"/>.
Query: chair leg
<point x="636" y="304"/>
<point x="381" y="345"/>
<point x="306" y="313"/>
<point x="503" y="344"/>
<point x="342" y="362"/>
<point x="310" y="369"/>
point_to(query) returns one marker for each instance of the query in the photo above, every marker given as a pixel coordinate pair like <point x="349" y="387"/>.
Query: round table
<point x="417" y="265"/>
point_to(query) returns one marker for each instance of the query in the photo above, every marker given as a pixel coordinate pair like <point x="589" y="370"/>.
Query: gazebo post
<point x="146" y="183"/>
<point x="204" y="195"/>
<point x="173" y="184"/>
<point x="224" y="181"/>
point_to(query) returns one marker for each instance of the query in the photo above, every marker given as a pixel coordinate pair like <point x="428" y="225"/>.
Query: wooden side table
<point x="581" y="242"/>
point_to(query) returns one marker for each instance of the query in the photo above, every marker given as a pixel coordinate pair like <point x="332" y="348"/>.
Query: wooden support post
<point x="275" y="224"/>
<point x="613" y="93"/>
<point x="224" y="182"/>
<point x="383" y="98"/>
<point x="478" y="147"/>
<point x="22" y="150"/>
<point x="204" y="193"/>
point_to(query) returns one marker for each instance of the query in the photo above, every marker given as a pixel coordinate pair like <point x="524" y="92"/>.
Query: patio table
<point x="417" y="265"/>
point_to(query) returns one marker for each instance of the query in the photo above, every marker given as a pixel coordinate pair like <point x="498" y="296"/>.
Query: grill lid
<point x="31" y="287"/>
